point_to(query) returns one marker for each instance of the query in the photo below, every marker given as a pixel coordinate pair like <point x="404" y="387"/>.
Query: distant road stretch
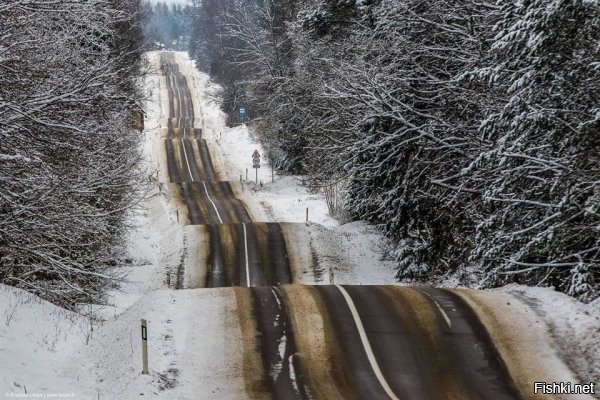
<point x="242" y="252"/>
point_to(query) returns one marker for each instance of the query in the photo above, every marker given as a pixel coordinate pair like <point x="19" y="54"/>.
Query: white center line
<point x="186" y="160"/>
<point x="212" y="202"/>
<point x="247" y="261"/>
<point x="182" y="140"/>
<point x="367" y="344"/>
<point x="440" y="309"/>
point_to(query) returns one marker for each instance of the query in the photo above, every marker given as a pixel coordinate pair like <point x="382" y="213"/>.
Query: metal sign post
<point x="242" y="113"/>
<point x="144" y="347"/>
<point x="256" y="163"/>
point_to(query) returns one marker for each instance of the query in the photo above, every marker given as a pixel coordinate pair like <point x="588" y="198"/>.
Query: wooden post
<point x="177" y="212"/>
<point x="306" y="214"/>
<point x="144" y="347"/>
<point x="272" y="175"/>
<point x="246" y="173"/>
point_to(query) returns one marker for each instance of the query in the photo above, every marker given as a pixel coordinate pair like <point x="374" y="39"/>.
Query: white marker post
<point x="144" y="347"/>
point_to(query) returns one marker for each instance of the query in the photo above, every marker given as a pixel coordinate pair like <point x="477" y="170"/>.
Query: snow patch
<point x="36" y="340"/>
<point x="575" y="327"/>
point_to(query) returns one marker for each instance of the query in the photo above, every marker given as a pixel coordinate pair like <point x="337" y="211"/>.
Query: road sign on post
<point x="256" y="163"/>
<point x="256" y="159"/>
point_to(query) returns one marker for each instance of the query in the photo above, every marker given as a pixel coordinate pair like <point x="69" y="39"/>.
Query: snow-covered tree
<point x="541" y="178"/>
<point x="68" y="161"/>
<point x="467" y="131"/>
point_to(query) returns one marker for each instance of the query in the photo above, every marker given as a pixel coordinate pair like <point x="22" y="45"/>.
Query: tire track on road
<point x="278" y="345"/>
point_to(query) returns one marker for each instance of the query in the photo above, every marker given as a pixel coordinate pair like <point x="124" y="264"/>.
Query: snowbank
<point x="190" y="357"/>
<point x="36" y="340"/>
<point x="573" y="326"/>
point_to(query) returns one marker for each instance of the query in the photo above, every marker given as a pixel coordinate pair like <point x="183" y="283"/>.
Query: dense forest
<point x="69" y="153"/>
<point x="468" y="131"/>
<point x="166" y="26"/>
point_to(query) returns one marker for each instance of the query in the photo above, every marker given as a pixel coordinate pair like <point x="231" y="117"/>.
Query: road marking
<point x="367" y="345"/>
<point x="273" y="289"/>
<point x="186" y="160"/>
<point x="246" y="252"/>
<point x="292" y="373"/>
<point x="441" y="310"/>
<point x="443" y="314"/>
<point x="212" y="202"/>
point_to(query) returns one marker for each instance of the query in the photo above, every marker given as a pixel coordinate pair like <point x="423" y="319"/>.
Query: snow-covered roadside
<point x="572" y="325"/>
<point x="187" y="359"/>
<point x="49" y="350"/>
<point x="36" y="340"/>
<point x="542" y="335"/>
<point x="156" y="242"/>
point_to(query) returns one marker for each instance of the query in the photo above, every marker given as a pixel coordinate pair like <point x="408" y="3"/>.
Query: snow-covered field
<point x="48" y="350"/>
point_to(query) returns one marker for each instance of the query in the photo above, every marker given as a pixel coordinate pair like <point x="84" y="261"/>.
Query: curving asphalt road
<point x="421" y="344"/>
<point x="381" y="342"/>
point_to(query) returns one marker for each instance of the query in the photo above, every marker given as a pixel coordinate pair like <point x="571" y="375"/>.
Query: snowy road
<point x="328" y="341"/>
<point x="400" y="343"/>
<point x="236" y="331"/>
